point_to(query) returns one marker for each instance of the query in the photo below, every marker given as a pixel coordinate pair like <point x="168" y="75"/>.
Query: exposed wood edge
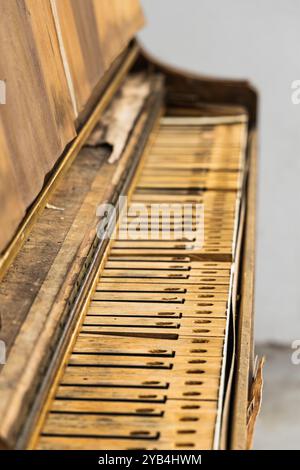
<point x="255" y="401"/>
<point x="244" y="354"/>
<point x="66" y="160"/>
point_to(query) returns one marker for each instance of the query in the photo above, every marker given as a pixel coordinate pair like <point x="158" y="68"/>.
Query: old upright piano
<point x="118" y="329"/>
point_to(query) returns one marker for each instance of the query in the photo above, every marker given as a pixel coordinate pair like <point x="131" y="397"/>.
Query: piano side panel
<point x="244" y="374"/>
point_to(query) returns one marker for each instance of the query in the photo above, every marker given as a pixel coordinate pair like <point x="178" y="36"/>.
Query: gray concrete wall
<point x="258" y="40"/>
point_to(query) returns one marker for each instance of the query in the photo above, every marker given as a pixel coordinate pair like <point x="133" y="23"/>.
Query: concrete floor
<point x="278" y="426"/>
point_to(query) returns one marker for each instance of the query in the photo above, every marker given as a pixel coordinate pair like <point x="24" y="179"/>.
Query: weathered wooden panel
<point x="94" y="33"/>
<point x="11" y="207"/>
<point x="37" y="119"/>
<point x="53" y="55"/>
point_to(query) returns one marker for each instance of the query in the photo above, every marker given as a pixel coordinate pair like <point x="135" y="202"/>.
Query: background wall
<point x="258" y="40"/>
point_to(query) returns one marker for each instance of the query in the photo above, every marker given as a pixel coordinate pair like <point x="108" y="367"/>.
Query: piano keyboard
<point x="147" y="368"/>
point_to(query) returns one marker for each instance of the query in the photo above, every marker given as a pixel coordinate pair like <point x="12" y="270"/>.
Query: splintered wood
<point x="147" y="370"/>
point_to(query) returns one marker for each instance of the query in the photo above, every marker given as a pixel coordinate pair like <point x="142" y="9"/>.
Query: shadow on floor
<point x="278" y="426"/>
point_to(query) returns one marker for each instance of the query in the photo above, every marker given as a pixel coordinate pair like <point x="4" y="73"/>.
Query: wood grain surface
<point x="53" y="55"/>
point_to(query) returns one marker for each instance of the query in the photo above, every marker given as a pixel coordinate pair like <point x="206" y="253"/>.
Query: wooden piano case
<point x="117" y="344"/>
